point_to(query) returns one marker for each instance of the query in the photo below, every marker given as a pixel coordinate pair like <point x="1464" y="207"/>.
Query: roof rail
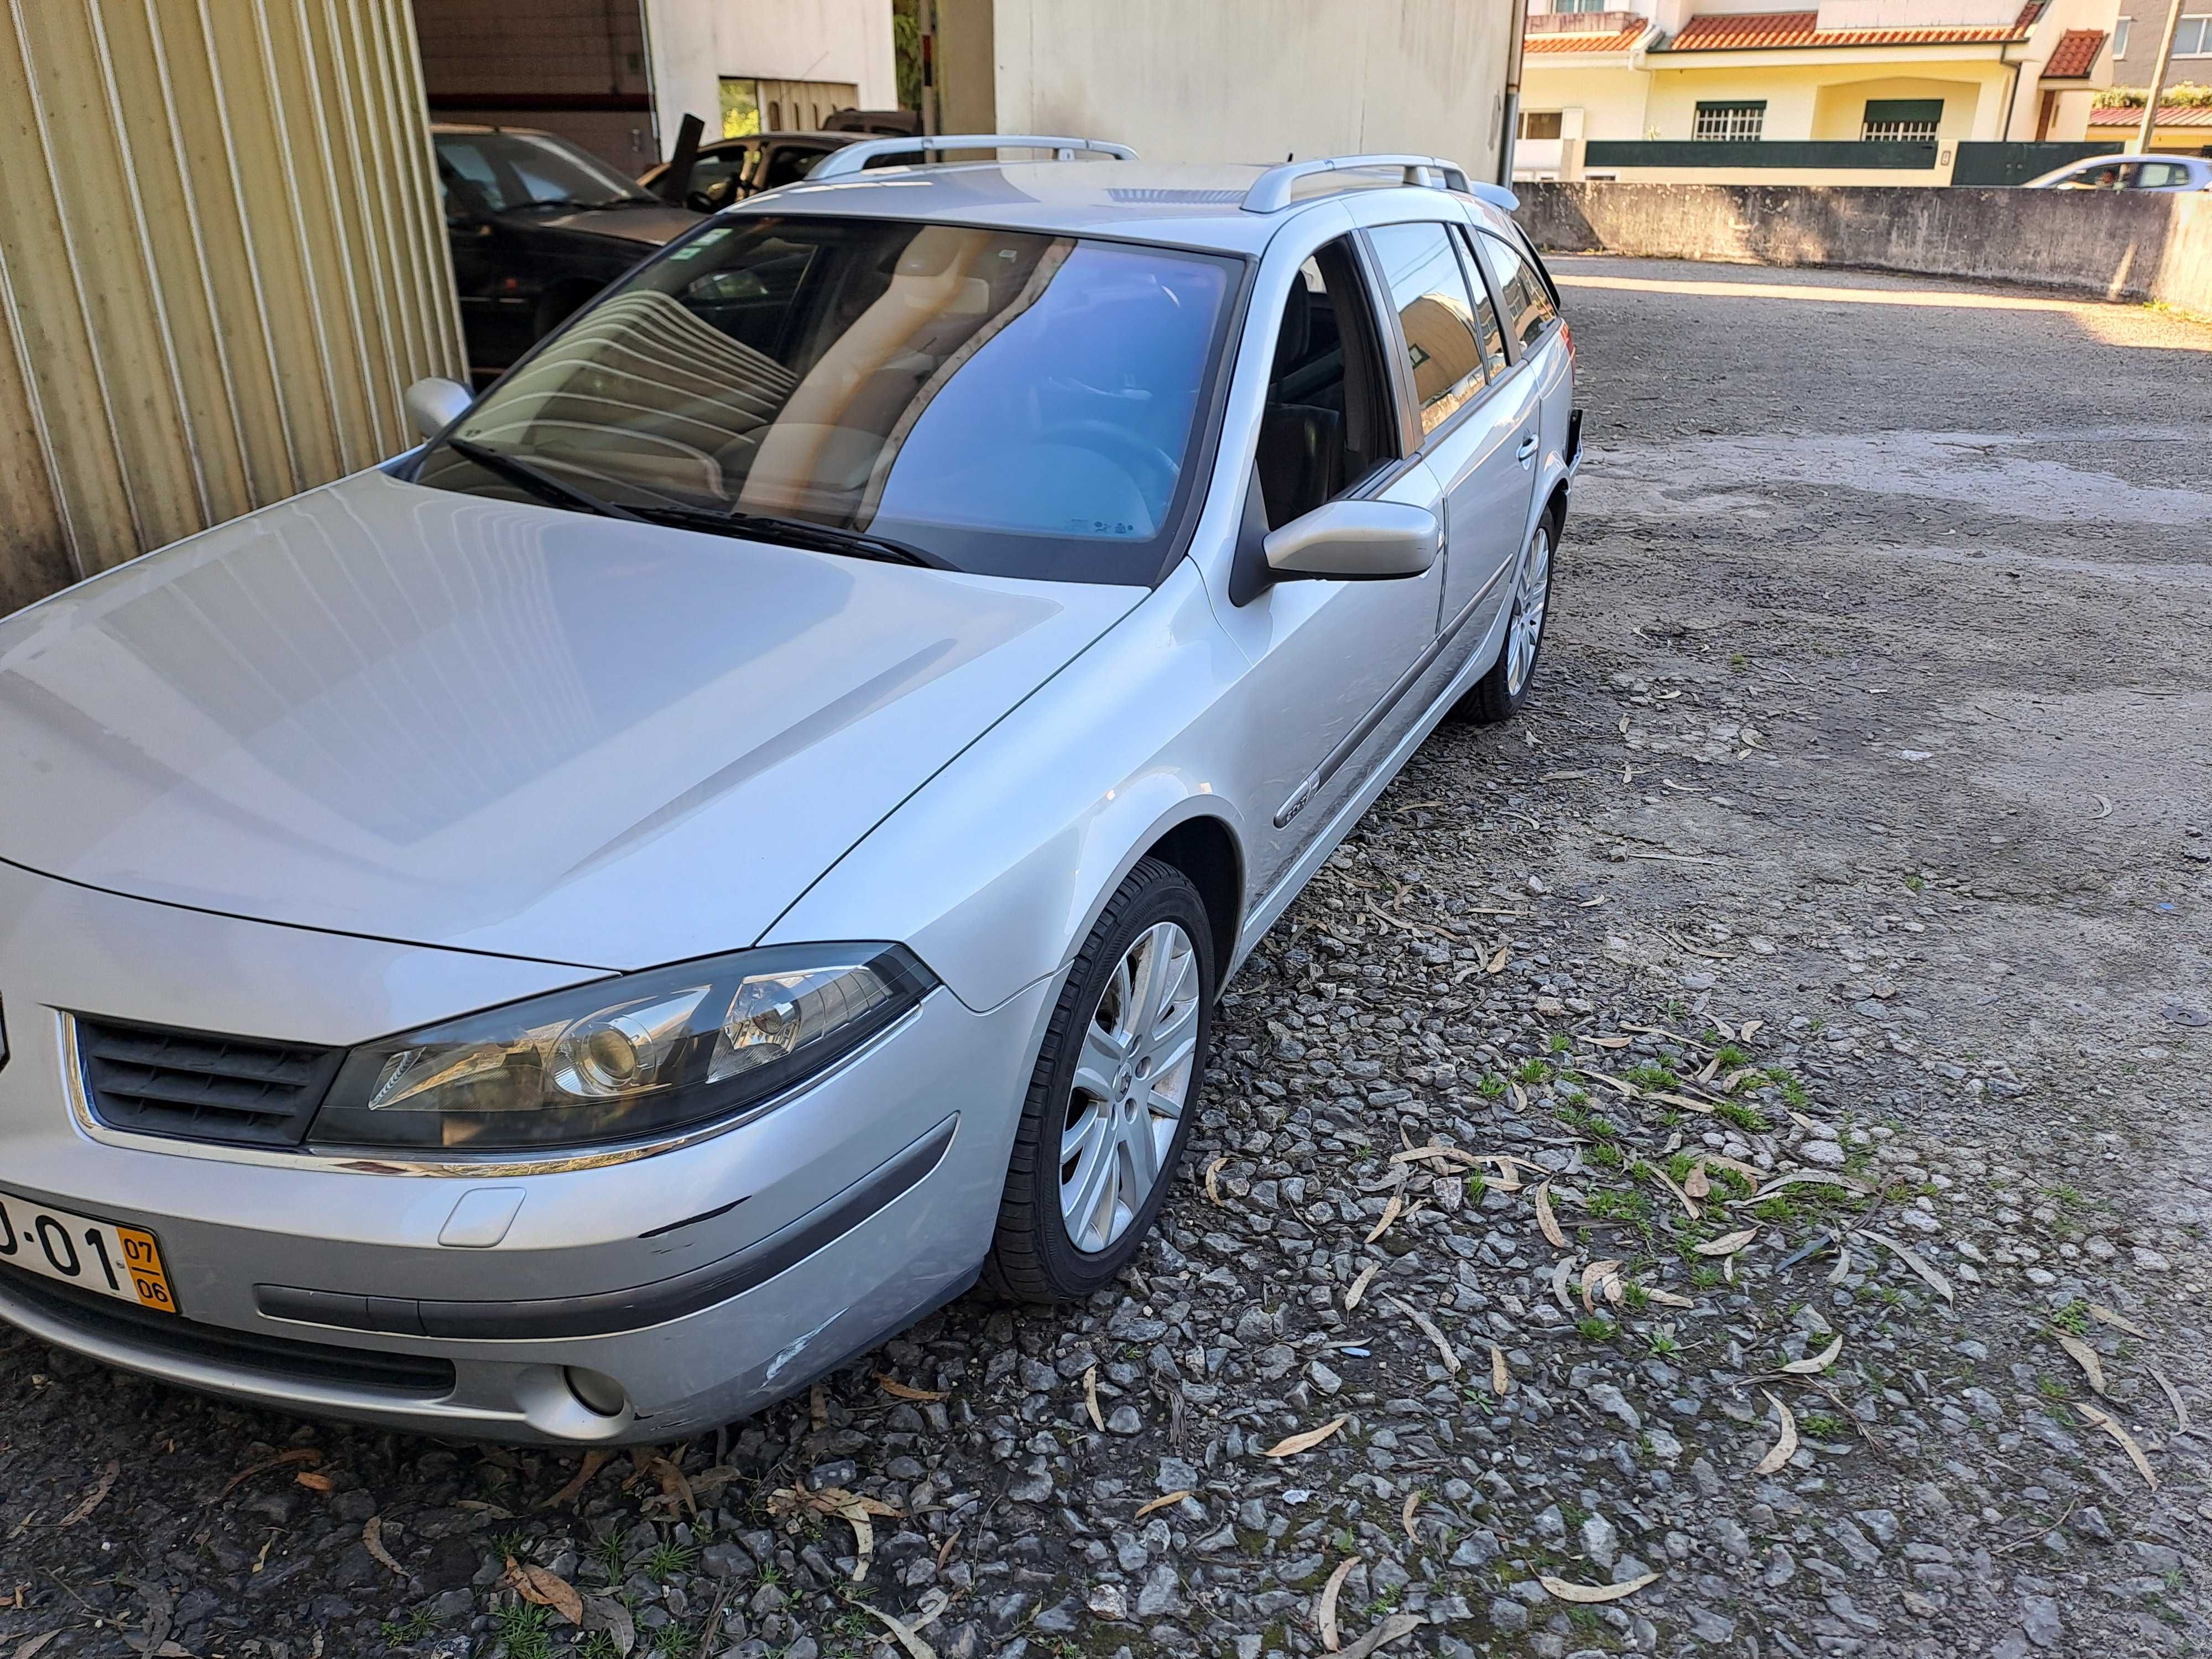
<point x="1271" y="191"/>
<point x="852" y="158"/>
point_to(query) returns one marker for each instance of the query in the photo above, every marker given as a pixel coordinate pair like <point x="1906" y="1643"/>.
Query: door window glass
<point x="1524" y="294"/>
<point x="513" y="171"/>
<point x="1435" y="317"/>
<point x="1328" y="421"/>
<point x="2161" y="175"/>
<point x="1486" y="323"/>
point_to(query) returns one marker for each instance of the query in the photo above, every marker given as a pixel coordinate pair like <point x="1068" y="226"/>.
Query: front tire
<point x="1109" y="1105"/>
<point x="1500" y="694"/>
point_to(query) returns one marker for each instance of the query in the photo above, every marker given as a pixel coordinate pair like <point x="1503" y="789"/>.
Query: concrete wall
<point x="221" y="260"/>
<point x="695" y="43"/>
<point x="2120" y="245"/>
<point x="1256" y="80"/>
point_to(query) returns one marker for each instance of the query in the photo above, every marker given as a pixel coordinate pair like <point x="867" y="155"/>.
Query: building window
<point x="2120" y="26"/>
<point x="741" y="110"/>
<point x="1583" y="5"/>
<point x="1540" y="124"/>
<point x="1902" y="121"/>
<point x="2193" y="38"/>
<point x="1730" y="121"/>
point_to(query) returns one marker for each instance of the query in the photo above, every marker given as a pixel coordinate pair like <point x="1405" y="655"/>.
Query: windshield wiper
<point x="538" y="482"/>
<point x="796" y="532"/>
<point x="576" y="206"/>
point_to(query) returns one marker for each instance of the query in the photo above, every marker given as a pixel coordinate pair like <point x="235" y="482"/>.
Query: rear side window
<point x="1435" y="317"/>
<point x="1485" y="310"/>
<point x="1523" y="294"/>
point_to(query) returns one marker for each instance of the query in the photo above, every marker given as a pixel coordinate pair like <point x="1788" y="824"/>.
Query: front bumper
<point x="702" y="1282"/>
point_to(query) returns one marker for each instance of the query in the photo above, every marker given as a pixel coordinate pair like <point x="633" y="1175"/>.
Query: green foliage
<point x="1822" y="1425"/>
<point x="1533" y="1072"/>
<point x="525" y="1628"/>
<point x="1594" y="1329"/>
<point x="1491" y="1086"/>
<point x="1744" y="1116"/>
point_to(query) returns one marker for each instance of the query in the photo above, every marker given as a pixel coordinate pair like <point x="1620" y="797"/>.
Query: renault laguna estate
<point x="573" y="933"/>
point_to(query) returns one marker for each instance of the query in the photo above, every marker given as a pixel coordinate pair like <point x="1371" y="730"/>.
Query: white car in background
<point x="2155" y="173"/>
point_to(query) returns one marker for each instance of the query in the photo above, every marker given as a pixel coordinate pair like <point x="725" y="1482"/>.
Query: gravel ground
<point x="1720" y="1166"/>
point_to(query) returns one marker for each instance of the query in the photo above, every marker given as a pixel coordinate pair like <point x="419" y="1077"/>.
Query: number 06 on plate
<point x="113" y="1260"/>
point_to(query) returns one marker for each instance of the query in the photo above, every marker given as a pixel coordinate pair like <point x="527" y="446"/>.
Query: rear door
<point x="1475" y="416"/>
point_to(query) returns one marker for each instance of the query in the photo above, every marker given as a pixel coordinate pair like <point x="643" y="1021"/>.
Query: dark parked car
<point x="538" y="227"/>
<point x="730" y="169"/>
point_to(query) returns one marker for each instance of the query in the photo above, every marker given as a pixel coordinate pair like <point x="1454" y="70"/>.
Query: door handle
<point x="1527" y="450"/>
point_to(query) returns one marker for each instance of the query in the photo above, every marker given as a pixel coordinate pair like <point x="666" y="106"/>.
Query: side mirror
<point x="434" y="403"/>
<point x="1355" y="541"/>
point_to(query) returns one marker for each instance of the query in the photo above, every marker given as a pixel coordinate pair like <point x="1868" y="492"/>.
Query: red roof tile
<point x="1787" y="30"/>
<point x="2075" y="55"/>
<point x="1619" y="41"/>
<point x="2169" y="115"/>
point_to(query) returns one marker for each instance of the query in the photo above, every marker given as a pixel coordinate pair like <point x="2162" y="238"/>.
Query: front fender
<point x="994" y="870"/>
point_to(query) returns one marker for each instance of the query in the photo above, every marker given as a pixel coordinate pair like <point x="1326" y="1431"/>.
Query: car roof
<point x="1178" y="205"/>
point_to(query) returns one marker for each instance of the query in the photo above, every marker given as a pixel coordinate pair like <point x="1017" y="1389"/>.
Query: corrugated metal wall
<point x="221" y="260"/>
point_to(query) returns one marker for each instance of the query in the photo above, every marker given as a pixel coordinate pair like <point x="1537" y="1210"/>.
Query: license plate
<point x="124" y="1262"/>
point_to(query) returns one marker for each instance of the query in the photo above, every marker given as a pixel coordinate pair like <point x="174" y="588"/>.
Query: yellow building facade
<point x="1851" y="92"/>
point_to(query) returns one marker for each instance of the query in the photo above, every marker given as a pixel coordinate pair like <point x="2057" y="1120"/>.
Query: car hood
<point x="647" y="223"/>
<point x="389" y="710"/>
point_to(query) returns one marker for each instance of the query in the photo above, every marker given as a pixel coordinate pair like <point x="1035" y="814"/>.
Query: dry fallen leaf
<point x="674" y="1488"/>
<point x="1165" y="1500"/>
<point x="1391" y="1213"/>
<point x="908" y="1637"/>
<point x="898" y="1391"/>
<point x="1697" y="1183"/>
<point x="1911" y="1259"/>
<point x="2172" y="1399"/>
<point x="1680" y="1196"/>
<point x="2127" y="1442"/>
<point x="1428" y="1329"/>
<point x="1813" y="1363"/>
<point x="1359" y="1284"/>
<point x="592" y="1463"/>
<point x="1496" y="964"/>
<point x="1406" y="1516"/>
<point x="604" y="1612"/>
<point x="1667" y="1298"/>
<point x="372" y="1539"/>
<point x="1595" y="1277"/>
<point x="36" y="1645"/>
<point x="791" y="1504"/>
<point x="1325" y="1608"/>
<point x="1090" y="1399"/>
<point x="2104" y="1315"/>
<point x="546" y="1589"/>
<point x="1307" y="1441"/>
<point x="1727" y="1243"/>
<point x="282" y="1460"/>
<point x="1588" y="1594"/>
<point x="314" y="1482"/>
<point x="1546" y="1219"/>
<point x="1213" y="1178"/>
<point x="1501" y="1377"/>
<point x="817" y="1406"/>
<point x="1783" y="1449"/>
<point x="2086" y="1357"/>
<point x="1751" y="1029"/>
<point x="1397" y="1625"/>
<point x="92" y="1499"/>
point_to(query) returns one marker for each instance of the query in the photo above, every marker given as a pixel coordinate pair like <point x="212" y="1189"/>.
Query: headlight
<point x="622" y="1059"/>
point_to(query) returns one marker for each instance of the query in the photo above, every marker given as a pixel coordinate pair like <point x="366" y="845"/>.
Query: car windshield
<point x="996" y="401"/>
<point x="511" y="171"/>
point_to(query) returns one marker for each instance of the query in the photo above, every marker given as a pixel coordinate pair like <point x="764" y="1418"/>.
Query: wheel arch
<point x="1205" y="850"/>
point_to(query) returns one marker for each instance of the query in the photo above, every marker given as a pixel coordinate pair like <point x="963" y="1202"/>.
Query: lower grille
<point x="414" y="1375"/>
<point x="195" y="1086"/>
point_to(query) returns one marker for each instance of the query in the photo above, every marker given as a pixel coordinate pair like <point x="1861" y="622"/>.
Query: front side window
<point x="1524" y="293"/>
<point x="511" y="172"/>
<point x="999" y="402"/>
<point x="1731" y="122"/>
<point x="1435" y="317"/>
<point x="1328" y="420"/>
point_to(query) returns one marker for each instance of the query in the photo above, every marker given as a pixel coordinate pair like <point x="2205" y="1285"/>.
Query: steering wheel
<point x="1136" y="455"/>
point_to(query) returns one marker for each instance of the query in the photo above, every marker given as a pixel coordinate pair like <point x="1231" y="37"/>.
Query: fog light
<point x="599" y="1393"/>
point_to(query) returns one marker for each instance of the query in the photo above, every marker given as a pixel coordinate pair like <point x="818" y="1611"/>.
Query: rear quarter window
<point x="1524" y="289"/>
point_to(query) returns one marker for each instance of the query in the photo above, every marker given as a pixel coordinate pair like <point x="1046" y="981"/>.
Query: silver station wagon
<point x="573" y="933"/>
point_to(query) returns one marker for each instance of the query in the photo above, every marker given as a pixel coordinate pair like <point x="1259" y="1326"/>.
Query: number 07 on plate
<point x="103" y="1256"/>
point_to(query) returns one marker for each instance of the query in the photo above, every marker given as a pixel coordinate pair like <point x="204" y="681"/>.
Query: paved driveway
<point x="1720" y="1165"/>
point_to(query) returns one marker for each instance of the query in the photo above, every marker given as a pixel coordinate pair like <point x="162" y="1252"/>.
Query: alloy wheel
<point x="1131" y="1080"/>
<point x="1528" y="631"/>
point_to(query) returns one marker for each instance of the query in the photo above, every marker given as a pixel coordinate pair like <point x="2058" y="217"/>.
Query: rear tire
<point x="1501" y="694"/>
<point x="1111" y="1101"/>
